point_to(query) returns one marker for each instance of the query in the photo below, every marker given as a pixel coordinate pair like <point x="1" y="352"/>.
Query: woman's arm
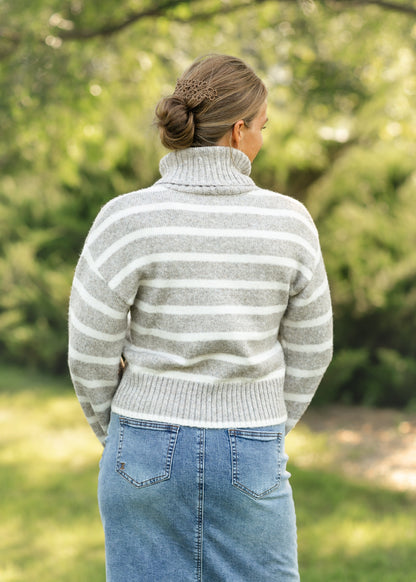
<point x="306" y="337"/>
<point x="97" y="330"/>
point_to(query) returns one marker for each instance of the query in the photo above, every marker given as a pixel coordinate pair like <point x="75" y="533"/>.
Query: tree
<point x="70" y="26"/>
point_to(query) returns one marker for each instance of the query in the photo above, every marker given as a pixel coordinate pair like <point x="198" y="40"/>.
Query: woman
<point x="215" y="293"/>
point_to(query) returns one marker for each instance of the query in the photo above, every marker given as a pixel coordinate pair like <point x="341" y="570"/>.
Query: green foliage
<point x="366" y="212"/>
<point x="76" y="130"/>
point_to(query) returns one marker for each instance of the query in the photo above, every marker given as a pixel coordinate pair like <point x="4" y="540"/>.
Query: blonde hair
<point x="210" y="97"/>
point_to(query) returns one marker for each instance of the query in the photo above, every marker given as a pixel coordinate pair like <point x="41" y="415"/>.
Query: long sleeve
<point x="306" y="337"/>
<point x="97" y="330"/>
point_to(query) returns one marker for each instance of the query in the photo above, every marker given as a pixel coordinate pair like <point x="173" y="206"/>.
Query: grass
<point x="50" y="529"/>
<point x="353" y="533"/>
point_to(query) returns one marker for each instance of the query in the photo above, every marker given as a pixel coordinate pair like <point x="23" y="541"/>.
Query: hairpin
<point x="194" y="92"/>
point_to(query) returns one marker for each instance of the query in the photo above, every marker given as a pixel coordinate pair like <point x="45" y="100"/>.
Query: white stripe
<point x="180" y="231"/>
<point x="299" y="373"/>
<point x="228" y="358"/>
<point x="92" y="383"/>
<point x="203" y="208"/>
<point x="297" y="397"/>
<point x="213" y="284"/>
<point x="102" y="407"/>
<point x="205" y="336"/>
<point x="86" y="254"/>
<point x="81" y="357"/>
<point x="309" y="348"/>
<point x="94" y="333"/>
<point x="97" y="408"/>
<point x="315" y="295"/>
<point x="204" y="378"/>
<point x="96" y="303"/>
<point x="308" y="322"/>
<point x="84" y="399"/>
<point x="207" y="258"/>
<point x="210" y="309"/>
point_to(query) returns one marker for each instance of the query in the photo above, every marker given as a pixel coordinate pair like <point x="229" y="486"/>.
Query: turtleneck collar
<point x="207" y="170"/>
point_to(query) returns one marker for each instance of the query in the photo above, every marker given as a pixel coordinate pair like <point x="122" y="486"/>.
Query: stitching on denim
<point x="200" y="513"/>
<point x="233" y="434"/>
<point x="173" y="435"/>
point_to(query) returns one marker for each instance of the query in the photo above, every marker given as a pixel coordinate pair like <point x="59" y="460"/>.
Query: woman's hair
<point x="210" y="97"/>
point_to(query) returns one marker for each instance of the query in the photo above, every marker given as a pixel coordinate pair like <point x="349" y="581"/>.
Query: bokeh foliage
<point x="76" y="129"/>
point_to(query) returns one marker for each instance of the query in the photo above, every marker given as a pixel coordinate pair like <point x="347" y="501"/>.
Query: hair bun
<point x="209" y="98"/>
<point x="176" y="122"/>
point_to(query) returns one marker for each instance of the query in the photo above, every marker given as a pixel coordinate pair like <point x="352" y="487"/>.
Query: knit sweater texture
<point x="215" y="292"/>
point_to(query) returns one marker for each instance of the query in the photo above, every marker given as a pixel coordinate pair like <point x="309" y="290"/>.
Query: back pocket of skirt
<point x="145" y="451"/>
<point x="256" y="461"/>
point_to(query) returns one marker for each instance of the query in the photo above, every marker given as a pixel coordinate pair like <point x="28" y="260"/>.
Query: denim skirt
<point x="184" y="504"/>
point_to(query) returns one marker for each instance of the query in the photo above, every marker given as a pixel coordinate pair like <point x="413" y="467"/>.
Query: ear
<point x="237" y="134"/>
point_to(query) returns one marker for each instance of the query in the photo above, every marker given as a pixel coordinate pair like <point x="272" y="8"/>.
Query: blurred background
<point x="78" y="85"/>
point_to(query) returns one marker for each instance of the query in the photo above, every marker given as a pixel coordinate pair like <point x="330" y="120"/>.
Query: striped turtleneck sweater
<point x="214" y="291"/>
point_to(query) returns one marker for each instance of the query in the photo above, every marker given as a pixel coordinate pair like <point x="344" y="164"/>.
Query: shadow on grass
<point x="353" y="532"/>
<point x="14" y="380"/>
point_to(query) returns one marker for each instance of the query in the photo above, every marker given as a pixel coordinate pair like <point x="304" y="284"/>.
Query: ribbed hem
<point x="231" y="405"/>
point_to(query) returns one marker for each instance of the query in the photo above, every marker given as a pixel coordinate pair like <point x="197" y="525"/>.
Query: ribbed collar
<point x="207" y="170"/>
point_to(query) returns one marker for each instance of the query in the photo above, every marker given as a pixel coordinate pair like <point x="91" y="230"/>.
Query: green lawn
<point x="50" y="529"/>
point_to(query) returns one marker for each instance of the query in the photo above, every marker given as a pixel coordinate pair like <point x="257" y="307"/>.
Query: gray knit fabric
<point x="215" y="292"/>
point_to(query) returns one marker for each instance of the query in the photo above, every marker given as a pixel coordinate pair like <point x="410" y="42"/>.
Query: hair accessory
<point x="194" y="92"/>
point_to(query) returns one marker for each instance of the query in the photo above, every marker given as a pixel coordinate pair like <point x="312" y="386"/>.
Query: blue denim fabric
<point x="182" y="504"/>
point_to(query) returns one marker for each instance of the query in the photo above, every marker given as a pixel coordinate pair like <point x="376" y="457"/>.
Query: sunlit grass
<point x="349" y="531"/>
<point x="50" y="529"/>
